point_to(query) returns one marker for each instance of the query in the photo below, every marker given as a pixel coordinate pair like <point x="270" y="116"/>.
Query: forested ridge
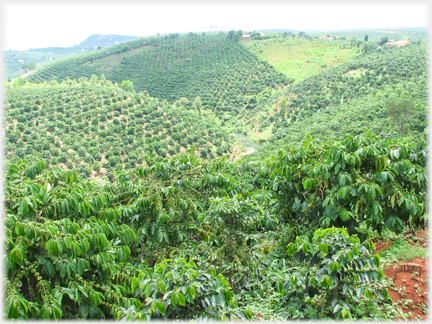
<point x="128" y="204"/>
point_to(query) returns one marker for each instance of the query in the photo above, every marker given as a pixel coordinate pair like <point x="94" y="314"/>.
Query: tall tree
<point x="383" y="40"/>
<point x="197" y="104"/>
<point x="399" y="112"/>
<point x="127" y="86"/>
<point x="283" y="105"/>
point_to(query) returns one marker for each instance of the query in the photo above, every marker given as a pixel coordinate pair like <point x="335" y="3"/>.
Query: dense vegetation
<point x="126" y="204"/>
<point x="217" y="69"/>
<point x="186" y="237"/>
<point x="88" y="126"/>
<point x="352" y="117"/>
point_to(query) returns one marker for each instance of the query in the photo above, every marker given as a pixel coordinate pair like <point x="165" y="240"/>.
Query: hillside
<point x="336" y="94"/>
<point x="96" y="128"/>
<point x="326" y="105"/>
<point x="218" y="70"/>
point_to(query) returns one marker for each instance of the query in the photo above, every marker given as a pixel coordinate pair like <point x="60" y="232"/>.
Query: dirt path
<point x="24" y="75"/>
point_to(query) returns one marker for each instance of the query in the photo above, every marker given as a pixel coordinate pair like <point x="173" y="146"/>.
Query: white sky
<point x="28" y="25"/>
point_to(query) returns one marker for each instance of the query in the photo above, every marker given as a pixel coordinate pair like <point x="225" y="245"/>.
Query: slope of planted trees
<point x="188" y="238"/>
<point x="352" y="117"/>
<point x="219" y="70"/>
<point x="370" y="81"/>
<point x="354" y="79"/>
<point x="88" y="126"/>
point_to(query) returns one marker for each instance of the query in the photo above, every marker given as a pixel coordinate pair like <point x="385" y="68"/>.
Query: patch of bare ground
<point x="410" y="280"/>
<point x="410" y="286"/>
<point x="238" y="150"/>
<point x="24" y="75"/>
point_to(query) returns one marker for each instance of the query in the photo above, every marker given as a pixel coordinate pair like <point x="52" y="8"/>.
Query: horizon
<point x="35" y="29"/>
<point x="244" y="30"/>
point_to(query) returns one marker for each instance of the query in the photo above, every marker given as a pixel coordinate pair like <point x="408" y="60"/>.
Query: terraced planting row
<point x="90" y="127"/>
<point x="219" y="70"/>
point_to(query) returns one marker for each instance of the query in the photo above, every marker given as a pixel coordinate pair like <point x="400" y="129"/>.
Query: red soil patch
<point x="413" y="286"/>
<point x="382" y="246"/>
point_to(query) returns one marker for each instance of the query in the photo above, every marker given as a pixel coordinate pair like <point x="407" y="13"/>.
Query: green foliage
<point x="337" y="93"/>
<point x="29" y="66"/>
<point x="344" y="183"/>
<point x="352" y="117"/>
<point x="333" y="270"/>
<point x="166" y="230"/>
<point x="191" y="238"/>
<point x="400" y="112"/>
<point x="127" y="86"/>
<point x="220" y="71"/>
<point x="69" y="246"/>
<point x="86" y="132"/>
<point x="178" y="289"/>
<point x="383" y="40"/>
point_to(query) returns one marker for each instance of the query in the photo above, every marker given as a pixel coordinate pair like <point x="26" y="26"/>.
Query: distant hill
<point x="14" y="60"/>
<point x="90" y="43"/>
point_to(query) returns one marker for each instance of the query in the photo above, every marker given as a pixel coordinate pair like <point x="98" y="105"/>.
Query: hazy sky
<point x="41" y="24"/>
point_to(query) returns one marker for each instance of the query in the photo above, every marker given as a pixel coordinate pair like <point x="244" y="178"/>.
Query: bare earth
<point x="414" y="286"/>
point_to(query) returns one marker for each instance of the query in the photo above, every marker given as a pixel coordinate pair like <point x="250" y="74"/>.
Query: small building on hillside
<point x="398" y="43"/>
<point x="262" y="34"/>
<point x="246" y="37"/>
<point x="327" y="38"/>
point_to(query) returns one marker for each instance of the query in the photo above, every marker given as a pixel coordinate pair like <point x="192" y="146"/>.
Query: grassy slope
<point x="353" y="116"/>
<point x="300" y="58"/>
